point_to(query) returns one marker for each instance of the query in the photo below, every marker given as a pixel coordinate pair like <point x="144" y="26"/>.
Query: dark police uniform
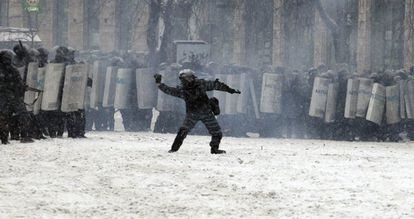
<point x="198" y="108"/>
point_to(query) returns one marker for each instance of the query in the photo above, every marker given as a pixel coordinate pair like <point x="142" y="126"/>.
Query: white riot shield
<point x="123" y="90"/>
<point x="53" y="86"/>
<point x="146" y="89"/>
<point x="21" y="71"/>
<point x="376" y="104"/>
<point x="409" y="99"/>
<point x="31" y="82"/>
<point x="166" y="102"/>
<point x="110" y="86"/>
<point x="403" y="88"/>
<point x="231" y="99"/>
<point x="39" y="85"/>
<point x="351" y="98"/>
<point x="392" y="112"/>
<point x="331" y="102"/>
<point x="74" y="88"/>
<point x="98" y="84"/>
<point x="221" y="95"/>
<point x="243" y="98"/>
<point x="271" y="100"/>
<point x="319" y="97"/>
<point x="364" y="94"/>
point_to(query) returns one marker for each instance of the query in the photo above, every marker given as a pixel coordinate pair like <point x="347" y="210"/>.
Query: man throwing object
<point x="198" y="106"/>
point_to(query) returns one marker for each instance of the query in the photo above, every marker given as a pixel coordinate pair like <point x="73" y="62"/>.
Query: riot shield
<point x="243" y="98"/>
<point x="403" y="88"/>
<point x="376" y="104"/>
<point x="74" y="88"/>
<point x="21" y="71"/>
<point x="409" y="99"/>
<point x="146" y="89"/>
<point x="351" y="98"/>
<point x="31" y="82"/>
<point x="123" y="90"/>
<point x="271" y="99"/>
<point x="233" y="81"/>
<point x="165" y="102"/>
<point x="364" y="94"/>
<point x="392" y="112"/>
<point x="53" y="86"/>
<point x="110" y="86"/>
<point x="331" y="102"/>
<point x="220" y="95"/>
<point x="98" y="85"/>
<point x="40" y="82"/>
<point x="319" y="97"/>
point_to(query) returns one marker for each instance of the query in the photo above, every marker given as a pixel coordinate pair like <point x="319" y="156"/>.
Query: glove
<point x="158" y="78"/>
<point x="233" y="91"/>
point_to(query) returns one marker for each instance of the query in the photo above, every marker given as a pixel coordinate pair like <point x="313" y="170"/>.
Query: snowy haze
<point x="119" y="175"/>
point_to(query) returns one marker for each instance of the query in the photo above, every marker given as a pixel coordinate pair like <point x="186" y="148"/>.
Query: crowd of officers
<point x="295" y="121"/>
<point x="16" y="123"/>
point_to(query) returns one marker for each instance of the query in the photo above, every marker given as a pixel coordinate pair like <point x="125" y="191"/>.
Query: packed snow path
<point x="118" y="175"/>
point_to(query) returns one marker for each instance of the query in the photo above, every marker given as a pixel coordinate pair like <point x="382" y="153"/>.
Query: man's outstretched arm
<point x="217" y="85"/>
<point x="166" y="89"/>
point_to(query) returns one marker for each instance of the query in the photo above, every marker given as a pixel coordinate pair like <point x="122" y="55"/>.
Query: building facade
<point x="369" y="35"/>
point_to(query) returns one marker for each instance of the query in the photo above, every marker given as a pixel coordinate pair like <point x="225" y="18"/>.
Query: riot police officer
<point x="12" y="91"/>
<point x="198" y="106"/>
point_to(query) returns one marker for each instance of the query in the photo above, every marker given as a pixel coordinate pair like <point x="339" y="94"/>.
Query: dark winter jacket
<point x="11" y="88"/>
<point x="195" y="97"/>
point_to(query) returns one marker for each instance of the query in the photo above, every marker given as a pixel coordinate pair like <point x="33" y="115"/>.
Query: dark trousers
<point x="14" y="129"/>
<point x="191" y="119"/>
<point x="4" y="129"/>
<point x="55" y="123"/>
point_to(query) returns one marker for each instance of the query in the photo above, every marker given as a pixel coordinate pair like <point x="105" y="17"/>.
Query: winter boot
<point x="4" y="136"/>
<point x="178" y="141"/>
<point x="216" y="150"/>
<point x="26" y="140"/>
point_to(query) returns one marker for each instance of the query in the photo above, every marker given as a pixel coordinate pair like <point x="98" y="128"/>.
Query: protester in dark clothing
<point x="198" y="106"/>
<point x="12" y="91"/>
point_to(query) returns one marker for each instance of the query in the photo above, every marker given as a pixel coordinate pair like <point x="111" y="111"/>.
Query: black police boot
<point x="176" y="145"/>
<point x="4" y="139"/>
<point x="216" y="150"/>
<point x="178" y="141"/>
<point x="26" y="140"/>
<point x="14" y="136"/>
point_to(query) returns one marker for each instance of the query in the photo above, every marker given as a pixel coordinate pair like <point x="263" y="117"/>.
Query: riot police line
<point x="338" y="105"/>
<point x="73" y="96"/>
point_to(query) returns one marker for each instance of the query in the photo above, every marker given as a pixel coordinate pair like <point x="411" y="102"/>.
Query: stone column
<point x="139" y="35"/>
<point x="107" y="26"/>
<point x="364" y="36"/>
<point x="278" y="34"/>
<point x="46" y="23"/>
<point x="76" y="24"/>
<point x="321" y="40"/>
<point x="16" y="14"/>
<point x="239" y="35"/>
<point x="409" y="34"/>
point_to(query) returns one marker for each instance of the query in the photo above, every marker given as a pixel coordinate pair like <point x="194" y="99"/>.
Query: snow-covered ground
<point x="119" y="175"/>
